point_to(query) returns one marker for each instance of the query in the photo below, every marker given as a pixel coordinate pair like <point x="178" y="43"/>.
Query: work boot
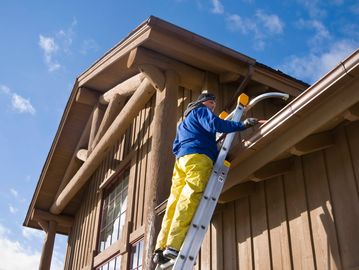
<point x="170" y="253"/>
<point x="158" y="257"/>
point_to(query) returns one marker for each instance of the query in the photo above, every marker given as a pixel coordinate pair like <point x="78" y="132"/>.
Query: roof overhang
<point x="321" y="107"/>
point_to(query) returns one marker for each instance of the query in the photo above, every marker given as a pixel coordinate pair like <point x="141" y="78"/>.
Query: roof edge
<point x="266" y="144"/>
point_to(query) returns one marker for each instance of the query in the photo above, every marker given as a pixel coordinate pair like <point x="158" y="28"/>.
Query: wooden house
<point x="291" y="200"/>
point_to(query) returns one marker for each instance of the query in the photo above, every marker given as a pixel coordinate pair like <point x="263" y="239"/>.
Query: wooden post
<point x="96" y="121"/>
<point x="48" y="247"/>
<point x="161" y="158"/>
<point x="126" y="88"/>
<point x="115" y="131"/>
<point x="113" y="109"/>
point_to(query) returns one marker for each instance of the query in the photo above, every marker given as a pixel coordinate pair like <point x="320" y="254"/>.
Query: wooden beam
<point x="81" y="154"/>
<point x="108" y="253"/>
<point x="352" y="114"/>
<point x="96" y="121"/>
<point x="126" y="88"/>
<point x="161" y="165"/>
<point x="154" y="75"/>
<point x="237" y="192"/>
<point x="199" y="52"/>
<point x="313" y="143"/>
<point x="272" y="169"/>
<point x="87" y="96"/>
<point x="113" y="109"/>
<point x="137" y="234"/>
<point x="115" y="131"/>
<point x="44" y="225"/>
<point x="229" y="77"/>
<point x="190" y="77"/>
<point x="61" y="220"/>
<point x="277" y="82"/>
<point x="48" y="247"/>
<point x="74" y="163"/>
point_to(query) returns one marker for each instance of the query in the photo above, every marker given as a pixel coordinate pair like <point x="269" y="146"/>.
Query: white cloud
<point x="270" y="21"/>
<point x="5" y="89"/>
<point x="12" y="209"/>
<point x="243" y="25"/>
<point x="217" y="7"/>
<point x="55" y="45"/>
<point x="355" y="8"/>
<point x="19" y="104"/>
<point x="30" y="233"/>
<point x="260" y="28"/>
<point x="88" y="45"/>
<point x="15" y="255"/>
<point x="49" y="47"/>
<point x="321" y="32"/>
<point x="314" y="65"/>
<point x="14" y="192"/>
<point x="313" y="7"/>
<point x="65" y="37"/>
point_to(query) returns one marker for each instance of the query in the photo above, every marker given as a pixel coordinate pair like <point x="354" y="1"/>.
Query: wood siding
<point x="306" y="219"/>
<point x="83" y="237"/>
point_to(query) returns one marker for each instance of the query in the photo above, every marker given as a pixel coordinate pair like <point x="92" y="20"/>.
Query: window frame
<point x="119" y="247"/>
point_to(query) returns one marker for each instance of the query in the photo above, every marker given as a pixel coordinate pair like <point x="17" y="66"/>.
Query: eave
<point x="321" y="107"/>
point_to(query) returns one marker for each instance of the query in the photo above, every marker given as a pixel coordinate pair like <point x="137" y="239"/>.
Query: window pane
<point x="111" y="265"/>
<point x="114" y="209"/>
<point x="118" y="263"/>
<point x="140" y="253"/>
<point x="136" y="256"/>
<point x="115" y="228"/>
<point x="124" y="202"/>
<point x="108" y="236"/>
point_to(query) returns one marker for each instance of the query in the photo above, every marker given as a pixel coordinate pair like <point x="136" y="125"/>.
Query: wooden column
<point x="48" y="247"/>
<point x="96" y="121"/>
<point x="113" y="109"/>
<point x="161" y="158"/>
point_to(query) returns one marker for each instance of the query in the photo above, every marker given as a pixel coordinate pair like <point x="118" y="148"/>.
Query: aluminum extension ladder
<point x="202" y="218"/>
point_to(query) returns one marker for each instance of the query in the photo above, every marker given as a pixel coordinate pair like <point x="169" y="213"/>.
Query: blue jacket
<point x="197" y="133"/>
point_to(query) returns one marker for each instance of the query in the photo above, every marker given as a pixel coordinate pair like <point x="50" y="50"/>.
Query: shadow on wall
<point x="306" y="219"/>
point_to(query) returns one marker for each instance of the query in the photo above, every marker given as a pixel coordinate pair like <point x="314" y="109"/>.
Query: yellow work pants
<point x="190" y="177"/>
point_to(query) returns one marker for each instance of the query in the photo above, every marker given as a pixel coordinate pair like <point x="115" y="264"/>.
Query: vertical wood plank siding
<point x="81" y="239"/>
<point x="306" y="219"/>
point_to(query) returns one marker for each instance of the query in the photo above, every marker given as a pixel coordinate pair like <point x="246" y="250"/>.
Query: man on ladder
<point x="196" y="150"/>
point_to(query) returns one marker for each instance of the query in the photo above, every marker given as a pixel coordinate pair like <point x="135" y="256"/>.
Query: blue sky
<point x="45" y="45"/>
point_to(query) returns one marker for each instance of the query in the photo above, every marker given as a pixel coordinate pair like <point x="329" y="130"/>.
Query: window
<point x="113" y="264"/>
<point x="136" y="256"/>
<point x="113" y="212"/>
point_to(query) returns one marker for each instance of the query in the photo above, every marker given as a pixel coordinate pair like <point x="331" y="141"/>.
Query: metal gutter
<point x="331" y="95"/>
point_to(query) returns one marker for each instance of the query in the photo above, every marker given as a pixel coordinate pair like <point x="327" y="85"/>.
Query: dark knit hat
<point x="198" y="103"/>
<point x="205" y="96"/>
